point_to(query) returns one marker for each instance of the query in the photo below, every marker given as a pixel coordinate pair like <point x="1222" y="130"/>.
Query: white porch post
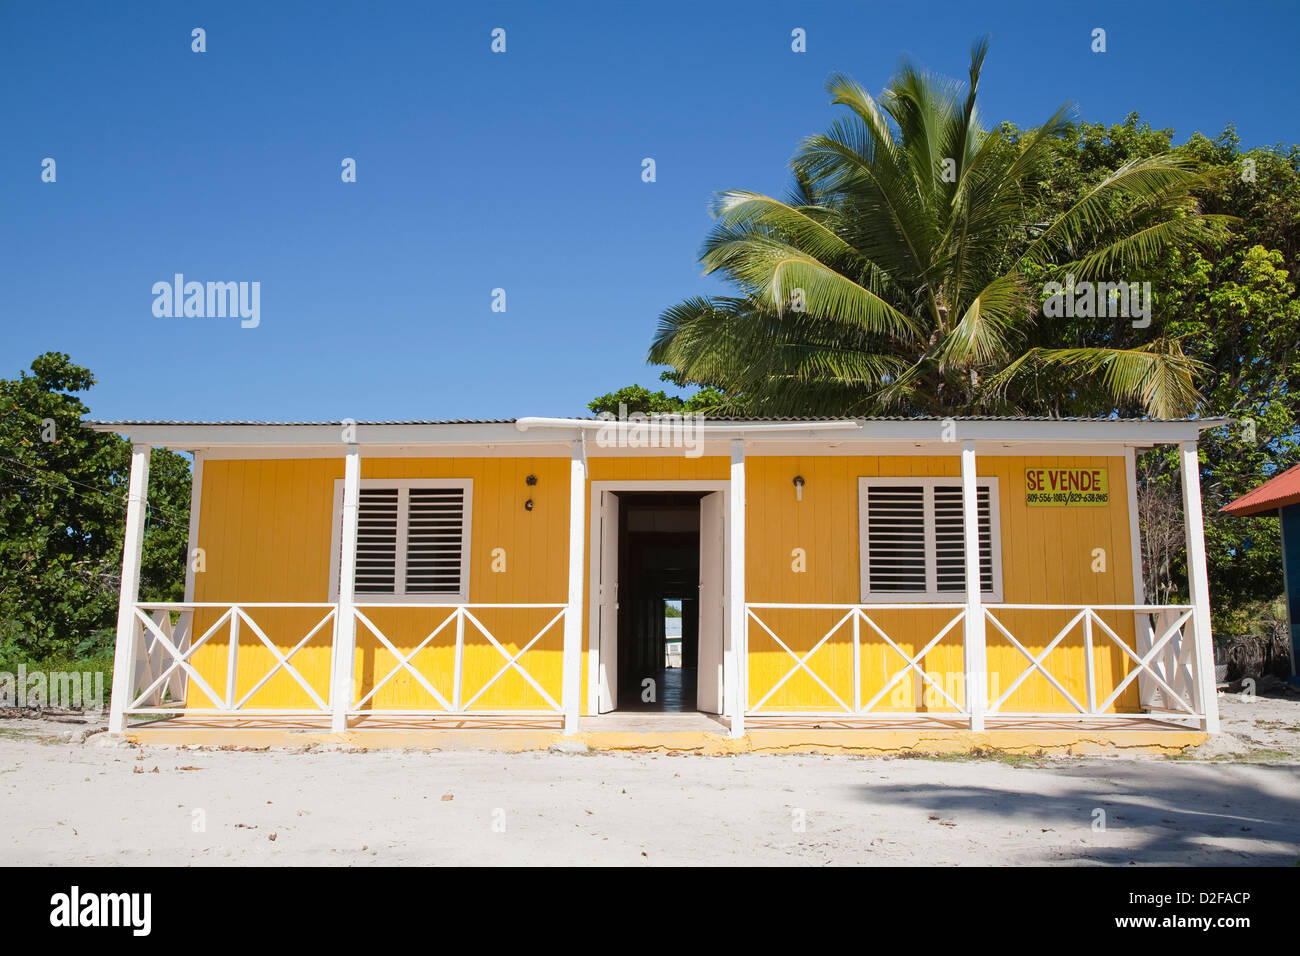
<point x="345" y="622"/>
<point x="572" y="663"/>
<point x="973" y="656"/>
<point x="196" y="500"/>
<point x="1141" y="622"/>
<point x="735" y="661"/>
<point x="1198" y="583"/>
<point x="129" y="590"/>
<point x="178" y="685"/>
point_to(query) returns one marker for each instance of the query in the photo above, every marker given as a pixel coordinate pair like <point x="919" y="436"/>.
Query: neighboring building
<point x="349" y="576"/>
<point x="1280" y="495"/>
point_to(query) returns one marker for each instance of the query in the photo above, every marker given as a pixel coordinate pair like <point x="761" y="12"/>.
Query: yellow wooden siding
<point x="1047" y="558"/>
<point x="266" y="529"/>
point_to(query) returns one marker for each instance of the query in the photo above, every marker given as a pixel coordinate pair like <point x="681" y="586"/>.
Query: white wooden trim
<point x="345" y="623"/>
<point x="736" y="686"/>
<point x="595" y="488"/>
<point x="974" y="651"/>
<point x="192" y="543"/>
<point x="325" y="434"/>
<point x="1198" y="582"/>
<point x="605" y="526"/>
<point x="711" y="447"/>
<point x="1134" y="526"/>
<point x="932" y="593"/>
<point x="196" y="499"/>
<point x="399" y="581"/>
<point x="129" y="588"/>
<point x="1141" y="623"/>
<point x="830" y="447"/>
<point x="712" y="641"/>
<point x="298" y="452"/>
<point x="571" y="691"/>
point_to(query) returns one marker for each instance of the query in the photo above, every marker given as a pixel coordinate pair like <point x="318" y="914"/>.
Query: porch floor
<point x="682" y="733"/>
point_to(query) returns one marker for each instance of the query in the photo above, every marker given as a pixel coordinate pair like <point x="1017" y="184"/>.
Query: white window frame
<point x="931" y="595"/>
<point x="387" y="484"/>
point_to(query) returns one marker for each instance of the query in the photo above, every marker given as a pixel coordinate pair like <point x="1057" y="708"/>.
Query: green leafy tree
<point x="904" y="272"/>
<point x="638" y="398"/>
<point x="62" y="509"/>
<point x="875" y="246"/>
<point x="1232" y="306"/>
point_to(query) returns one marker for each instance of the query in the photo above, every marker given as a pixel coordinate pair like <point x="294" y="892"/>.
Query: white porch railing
<point x="1163" y="658"/>
<point x="461" y="616"/>
<point x="165" y="679"/>
<point x="1163" y="654"/>
<point x="851" y="623"/>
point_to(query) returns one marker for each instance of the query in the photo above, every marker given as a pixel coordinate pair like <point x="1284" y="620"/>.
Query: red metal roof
<point x="1278" y="492"/>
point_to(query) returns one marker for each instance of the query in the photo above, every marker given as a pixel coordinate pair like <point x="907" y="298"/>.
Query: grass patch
<point x="14" y="733"/>
<point x="1010" y="758"/>
<point x="1267" y="755"/>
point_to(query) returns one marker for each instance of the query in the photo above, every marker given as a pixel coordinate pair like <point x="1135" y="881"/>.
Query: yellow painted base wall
<point x="265" y="527"/>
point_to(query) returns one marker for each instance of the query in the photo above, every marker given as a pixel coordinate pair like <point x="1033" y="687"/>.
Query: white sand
<point x="83" y="803"/>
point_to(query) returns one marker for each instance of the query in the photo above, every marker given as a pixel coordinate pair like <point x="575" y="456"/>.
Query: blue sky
<point x="478" y="171"/>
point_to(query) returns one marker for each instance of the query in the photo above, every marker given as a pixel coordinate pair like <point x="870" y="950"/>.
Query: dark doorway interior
<point x="659" y="563"/>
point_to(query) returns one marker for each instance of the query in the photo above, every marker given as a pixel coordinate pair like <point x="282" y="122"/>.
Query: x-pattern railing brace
<point x="513" y="662"/>
<point x="1143" y="663"/>
<point x="1036" y="663"/>
<point x="801" y="662"/>
<point x="460" y="615"/>
<point x="1090" y="617"/>
<point x="181" y="660"/>
<point x="404" y="661"/>
<point x="857" y="614"/>
<point x="913" y="662"/>
<point x="282" y="660"/>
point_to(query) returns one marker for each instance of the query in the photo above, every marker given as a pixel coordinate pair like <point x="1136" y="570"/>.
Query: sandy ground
<point x="102" y="802"/>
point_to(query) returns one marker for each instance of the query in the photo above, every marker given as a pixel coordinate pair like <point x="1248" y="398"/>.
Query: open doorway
<point x="659" y="614"/>
<point x="659" y="569"/>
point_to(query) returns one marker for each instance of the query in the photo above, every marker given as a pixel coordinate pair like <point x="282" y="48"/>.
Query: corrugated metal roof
<point x="318" y="424"/>
<point x="1278" y="492"/>
<point x="714" y="418"/>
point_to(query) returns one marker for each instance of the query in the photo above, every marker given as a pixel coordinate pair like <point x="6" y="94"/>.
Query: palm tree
<point x="903" y="273"/>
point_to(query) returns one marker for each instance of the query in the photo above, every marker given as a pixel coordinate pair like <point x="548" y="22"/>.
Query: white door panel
<point x="607" y="602"/>
<point x="709" y="695"/>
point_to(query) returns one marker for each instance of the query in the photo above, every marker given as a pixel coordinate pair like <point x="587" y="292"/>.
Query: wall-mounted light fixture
<point x="528" y="505"/>
<point x="530" y="480"/>
<point x="798" y="487"/>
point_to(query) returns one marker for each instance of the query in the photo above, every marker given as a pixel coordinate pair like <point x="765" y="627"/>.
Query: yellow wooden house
<point x="760" y="581"/>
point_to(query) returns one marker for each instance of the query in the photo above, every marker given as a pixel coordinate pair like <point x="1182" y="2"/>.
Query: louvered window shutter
<point x="896" y="541"/>
<point x="434" y="539"/>
<point x="377" y="533"/>
<point x="411" y="541"/>
<point x="913" y="540"/>
<point x="949" y="546"/>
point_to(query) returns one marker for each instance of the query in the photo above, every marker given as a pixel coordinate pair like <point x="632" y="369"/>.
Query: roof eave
<point x="190" y="436"/>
